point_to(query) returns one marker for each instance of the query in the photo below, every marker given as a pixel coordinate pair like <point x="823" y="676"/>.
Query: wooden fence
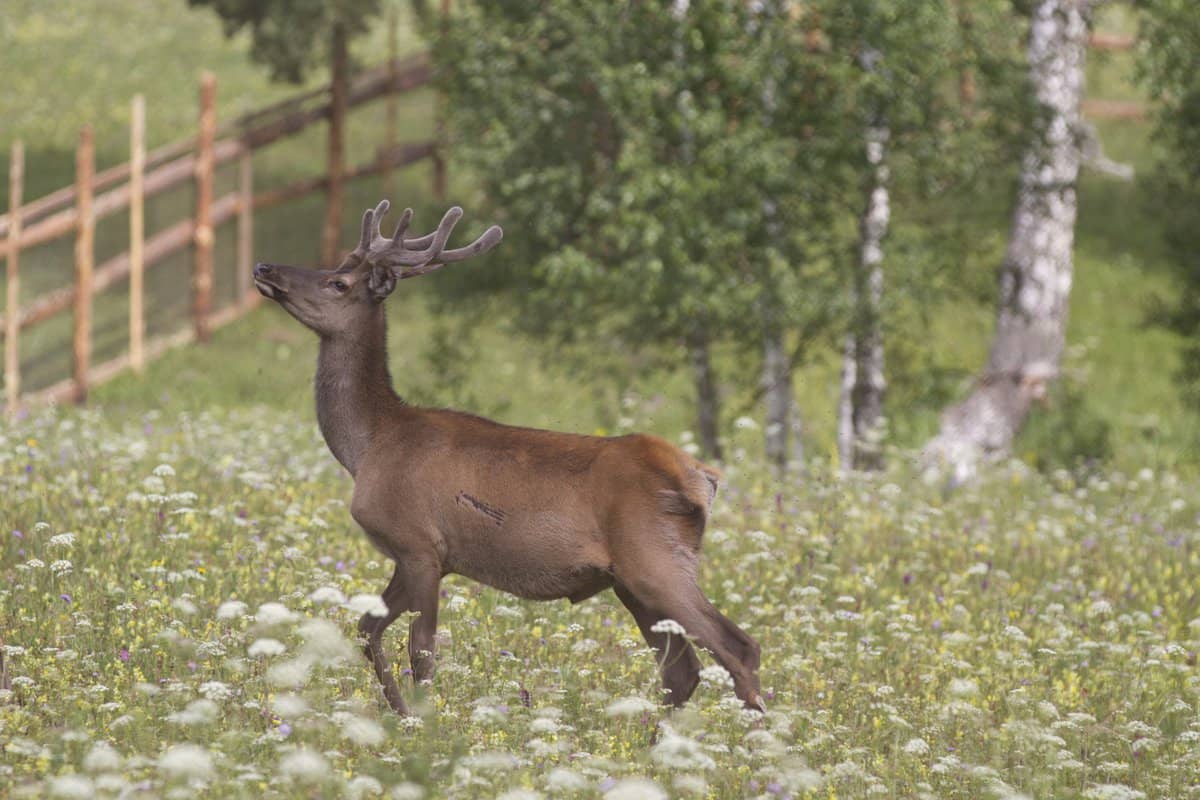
<point x="75" y="210"/>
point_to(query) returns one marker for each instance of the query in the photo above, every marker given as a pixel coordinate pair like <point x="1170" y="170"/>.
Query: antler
<point x="411" y="257"/>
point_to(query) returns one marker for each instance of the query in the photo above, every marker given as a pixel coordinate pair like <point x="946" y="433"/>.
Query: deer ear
<point x="381" y="282"/>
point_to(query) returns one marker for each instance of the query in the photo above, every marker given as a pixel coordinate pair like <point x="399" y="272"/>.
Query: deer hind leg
<point x="675" y="595"/>
<point x="413" y="587"/>
<point x="679" y="663"/>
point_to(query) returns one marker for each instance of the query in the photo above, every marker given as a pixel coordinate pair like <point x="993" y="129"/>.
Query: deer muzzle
<point x="267" y="281"/>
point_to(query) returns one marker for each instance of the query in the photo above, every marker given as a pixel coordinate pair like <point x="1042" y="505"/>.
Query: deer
<point x="538" y="514"/>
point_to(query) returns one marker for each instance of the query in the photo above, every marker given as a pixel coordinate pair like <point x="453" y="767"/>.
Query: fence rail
<point x="76" y="209"/>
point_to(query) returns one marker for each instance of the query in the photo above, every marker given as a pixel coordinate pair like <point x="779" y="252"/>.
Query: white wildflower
<point x="490" y="761"/>
<point x="1015" y="633"/>
<point x="962" y="687"/>
<point x="565" y="780"/>
<point x="304" y="765"/>
<point x="520" y="794"/>
<point x="72" y="787"/>
<point x="328" y="595"/>
<point x="917" y="747"/>
<point x="164" y="471"/>
<point x="266" y="647"/>
<point x="367" y="604"/>
<point x="680" y="752"/>
<point x="291" y="673"/>
<point x="668" y="626"/>
<point x="544" y="725"/>
<point x="408" y="790"/>
<point x="274" y="614"/>
<point x="635" y="789"/>
<point x="323" y="641"/>
<point x="289" y="705"/>
<point x="103" y="757"/>
<point x="198" y="712"/>
<point x="184" y="606"/>
<point x="216" y="690"/>
<point x="62" y="540"/>
<point x="186" y="761"/>
<point x="745" y="424"/>
<point x="629" y="707"/>
<point x="61" y="567"/>
<point x="1113" y="791"/>
<point x="231" y="609"/>
<point x="363" y="786"/>
<point x="690" y="784"/>
<point x="716" y="675"/>
<point x="362" y="731"/>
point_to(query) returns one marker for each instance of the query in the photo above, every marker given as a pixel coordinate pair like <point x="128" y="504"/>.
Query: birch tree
<point x="652" y="205"/>
<point x="1035" y="278"/>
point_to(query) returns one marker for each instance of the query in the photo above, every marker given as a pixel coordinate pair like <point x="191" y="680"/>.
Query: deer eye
<point x="339" y="286"/>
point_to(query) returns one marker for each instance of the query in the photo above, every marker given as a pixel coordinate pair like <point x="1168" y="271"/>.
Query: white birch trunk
<point x="863" y="384"/>
<point x="777" y="385"/>
<point x="777" y="366"/>
<point x="1035" y="280"/>
<point x="845" y="429"/>
<point x="707" y="400"/>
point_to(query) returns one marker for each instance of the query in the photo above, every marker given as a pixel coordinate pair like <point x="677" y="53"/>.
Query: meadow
<point x="180" y="580"/>
<point x="179" y="593"/>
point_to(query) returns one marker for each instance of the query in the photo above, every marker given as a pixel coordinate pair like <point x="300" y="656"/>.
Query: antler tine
<point x="490" y="238"/>
<point x="402" y="226"/>
<point x="370" y="230"/>
<point x="412" y="257"/>
<point x="394" y="252"/>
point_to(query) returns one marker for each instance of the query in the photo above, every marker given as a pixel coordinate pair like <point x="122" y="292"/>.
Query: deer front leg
<point x="424" y="580"/>
<point x="372" y="627"/>
<point x="413" y="587"/>
<point x="679" y="663"/>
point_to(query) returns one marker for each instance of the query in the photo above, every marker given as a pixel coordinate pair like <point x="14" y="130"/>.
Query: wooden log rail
<point x="77" y="208"/>
<point x="256" y="129"/>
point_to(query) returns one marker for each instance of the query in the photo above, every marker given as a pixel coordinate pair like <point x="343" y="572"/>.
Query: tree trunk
<point x="708" y="404"/>
<point x="339" y="89"/>
<point x="866" y="393"/>
<point x="777" y="383"/>
<point x="1035" y="280"/>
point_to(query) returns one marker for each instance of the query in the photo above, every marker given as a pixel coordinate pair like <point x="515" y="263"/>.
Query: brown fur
<point x="538" y="514"/>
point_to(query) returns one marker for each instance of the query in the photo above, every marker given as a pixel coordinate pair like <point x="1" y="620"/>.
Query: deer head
<point x="333" y="302"/>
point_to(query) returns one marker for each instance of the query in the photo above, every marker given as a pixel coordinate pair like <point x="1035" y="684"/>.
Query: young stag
<point x="541" y="515"/>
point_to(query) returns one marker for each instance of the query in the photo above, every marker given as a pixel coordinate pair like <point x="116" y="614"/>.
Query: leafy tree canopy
<point x="291" y="35"/>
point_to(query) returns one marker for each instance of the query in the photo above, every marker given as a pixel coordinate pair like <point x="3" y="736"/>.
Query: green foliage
<point x="703" y="164"/>
<point x="1068" y="433"/>
<point x="291" y="35"/>
<point x="1170" y="70"/>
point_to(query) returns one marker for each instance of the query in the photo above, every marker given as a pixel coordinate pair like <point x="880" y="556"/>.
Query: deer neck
<point x="354" y="389"/>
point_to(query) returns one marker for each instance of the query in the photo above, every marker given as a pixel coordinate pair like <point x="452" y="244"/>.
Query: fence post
<point x="202" y="275"/>
<point x="331" y="234"/>
<point x="391" y="110"/>
<point x="12" y="306"/>
<point x="439" y="125"/>
<point x="85" y="170"/>
<point x="247" y="297"/>
<point x="137" y="232"/>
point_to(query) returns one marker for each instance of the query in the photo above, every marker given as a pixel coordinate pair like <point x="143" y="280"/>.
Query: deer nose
<point x="263" y="270"/>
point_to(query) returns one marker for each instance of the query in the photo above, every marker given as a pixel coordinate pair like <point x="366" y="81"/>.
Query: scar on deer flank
<point x="538" y="514"/>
